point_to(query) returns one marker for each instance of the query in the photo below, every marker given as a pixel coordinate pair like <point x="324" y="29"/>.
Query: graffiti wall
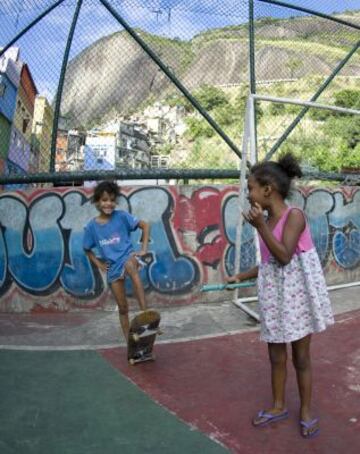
<point x="193" y="230"/>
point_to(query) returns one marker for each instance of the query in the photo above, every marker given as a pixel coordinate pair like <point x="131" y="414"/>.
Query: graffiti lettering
<point x="193" y="236"/>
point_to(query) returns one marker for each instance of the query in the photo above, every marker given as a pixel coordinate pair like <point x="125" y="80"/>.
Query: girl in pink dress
<point x="292" y="292"/>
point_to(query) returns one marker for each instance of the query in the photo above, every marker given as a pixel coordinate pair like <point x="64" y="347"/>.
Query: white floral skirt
<point x="293" y="299"/>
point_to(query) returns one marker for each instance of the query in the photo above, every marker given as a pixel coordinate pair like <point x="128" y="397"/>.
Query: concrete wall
<point x="43" y="268"/>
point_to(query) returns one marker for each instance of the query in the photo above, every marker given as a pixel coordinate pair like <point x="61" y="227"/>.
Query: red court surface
<point x="218" y="384"/>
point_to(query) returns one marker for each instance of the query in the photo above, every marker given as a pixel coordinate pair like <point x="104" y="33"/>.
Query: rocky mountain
<point x="115" y="76"/>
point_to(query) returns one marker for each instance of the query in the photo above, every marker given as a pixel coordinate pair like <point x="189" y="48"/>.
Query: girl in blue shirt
<point x="110" y="232"/>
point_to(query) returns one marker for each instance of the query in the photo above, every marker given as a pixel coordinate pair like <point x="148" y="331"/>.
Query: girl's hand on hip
<point x="104" y="266"/>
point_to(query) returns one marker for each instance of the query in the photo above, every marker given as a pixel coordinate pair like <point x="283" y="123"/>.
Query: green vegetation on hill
<point x="213" y="65"/>
<point x="325" y="140"/>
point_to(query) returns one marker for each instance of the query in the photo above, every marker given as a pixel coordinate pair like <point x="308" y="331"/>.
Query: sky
<point x="43" y="46"/>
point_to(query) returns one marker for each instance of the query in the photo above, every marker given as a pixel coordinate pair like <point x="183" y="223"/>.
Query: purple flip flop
<point x="309" y="425"/>
<point x="270" y="418"/>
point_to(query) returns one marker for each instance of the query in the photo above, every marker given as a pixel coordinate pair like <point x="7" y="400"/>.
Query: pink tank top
<point x="305" y="242"/>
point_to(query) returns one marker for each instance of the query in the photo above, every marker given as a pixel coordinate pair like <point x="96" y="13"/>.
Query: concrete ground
<point x="66" y="386"/>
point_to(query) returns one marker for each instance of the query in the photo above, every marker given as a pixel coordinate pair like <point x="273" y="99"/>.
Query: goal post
<point x="250" y="157"/>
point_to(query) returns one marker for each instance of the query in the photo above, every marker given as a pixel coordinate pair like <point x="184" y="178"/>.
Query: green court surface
<point x="74" y="402"/>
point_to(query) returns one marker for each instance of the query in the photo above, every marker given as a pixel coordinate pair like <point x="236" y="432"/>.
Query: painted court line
<point x="167" y="341"/>
<point x="120" y="344"/>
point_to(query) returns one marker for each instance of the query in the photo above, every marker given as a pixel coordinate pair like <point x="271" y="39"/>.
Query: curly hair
<point x="279" y="173"/>
<point x="105" y="186"/>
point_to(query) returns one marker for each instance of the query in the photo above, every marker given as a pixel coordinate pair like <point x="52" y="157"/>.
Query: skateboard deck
<point x="144" y="328"/>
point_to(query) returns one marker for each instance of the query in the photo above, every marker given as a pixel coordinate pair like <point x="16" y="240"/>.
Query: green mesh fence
<point x="143" y="89"/>
<point x="296" y="58"/>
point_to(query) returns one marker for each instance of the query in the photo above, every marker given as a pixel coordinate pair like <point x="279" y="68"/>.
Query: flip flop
<point x="270" y="418"/>
<point x="309" y="425"/>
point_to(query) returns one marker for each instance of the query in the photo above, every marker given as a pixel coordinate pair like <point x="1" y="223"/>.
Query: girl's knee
<point x="278" y="360"/>
<point x="278" y="356"/>
<point x="131" y="266"/>
<point x="301" y="362"/>
<point x="301" y="354"/>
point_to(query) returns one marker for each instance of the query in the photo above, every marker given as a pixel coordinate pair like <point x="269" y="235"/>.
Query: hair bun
<point x="290" y="165"/>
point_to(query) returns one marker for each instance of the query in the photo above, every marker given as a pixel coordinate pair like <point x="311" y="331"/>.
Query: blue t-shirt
<point x="112" y="240"/>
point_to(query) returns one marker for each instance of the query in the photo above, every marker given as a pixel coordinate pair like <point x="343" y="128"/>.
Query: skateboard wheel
<point x="135" y="337"/>
<point x="160" y="332"/>
<point x="132" y="361"/>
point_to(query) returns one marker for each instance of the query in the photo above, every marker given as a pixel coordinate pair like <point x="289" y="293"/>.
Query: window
<point x="2" y="89"/>
<point x="25" y="125"/>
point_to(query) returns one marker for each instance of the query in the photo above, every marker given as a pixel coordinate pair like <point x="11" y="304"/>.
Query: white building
<point x="165" y="121"/>
<point x="11" y="64"/>
<point x="100" y="150"/>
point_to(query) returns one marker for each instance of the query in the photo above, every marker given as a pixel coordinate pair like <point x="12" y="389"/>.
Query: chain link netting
<point x="296" y="58"/>
<point x="102" y="101"/>
<point x="323" y="139"/>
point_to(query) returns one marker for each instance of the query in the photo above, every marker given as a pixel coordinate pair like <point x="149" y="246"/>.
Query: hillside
<point x="114" y="75"/>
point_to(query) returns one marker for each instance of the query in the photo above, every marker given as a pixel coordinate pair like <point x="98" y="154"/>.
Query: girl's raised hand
<point x="255" y="216"/>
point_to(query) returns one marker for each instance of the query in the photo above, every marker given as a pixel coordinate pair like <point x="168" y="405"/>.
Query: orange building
<point x="61" y="150"/>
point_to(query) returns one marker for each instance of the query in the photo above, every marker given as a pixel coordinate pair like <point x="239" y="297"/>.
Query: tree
<point x="277" y="109"/>
<point x="198" y="128"/>
<point x="179" y="100"/>
<point x="347" y="128"/>
<point x="227" y="115"/>
<point x="348" y="98"/>
<point x="210" y="97"/>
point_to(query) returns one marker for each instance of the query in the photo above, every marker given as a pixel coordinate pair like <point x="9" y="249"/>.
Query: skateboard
<point x="213" y="287"/>
<point x="144" y="328"/>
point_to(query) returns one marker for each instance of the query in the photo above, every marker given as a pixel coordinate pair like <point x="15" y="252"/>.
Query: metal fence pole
<point x="28" y="27"/>
<point x="241" y="196"/>
<point x="252" y="48"/>
<point x="252" y="72"/>
<point x="172" y="77"/>
<point x="311" y="11"/>
<point x="252" y="128"/>
<point x="61" y="86"/>
<point x="303" y="112"/>
<point x="309" y="104"/>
